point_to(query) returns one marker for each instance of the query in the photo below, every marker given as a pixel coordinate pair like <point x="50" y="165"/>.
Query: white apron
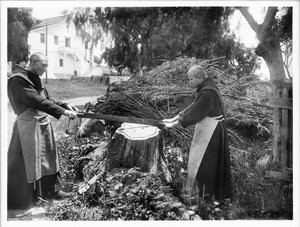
<point x="202" y="135"/>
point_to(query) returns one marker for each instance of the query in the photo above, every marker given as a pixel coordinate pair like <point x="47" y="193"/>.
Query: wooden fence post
<point x="287" y="124"/>
<point x="282" y="124"/>
<point x="284" y="133"/>
<point x="276" y="126"/>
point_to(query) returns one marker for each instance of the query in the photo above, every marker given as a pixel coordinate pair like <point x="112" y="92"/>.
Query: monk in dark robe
<point x="209" y="159"/>
<point x="33" y="166"/>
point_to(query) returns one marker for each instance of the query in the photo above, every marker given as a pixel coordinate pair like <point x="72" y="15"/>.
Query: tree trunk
<point x="135" y="145"/>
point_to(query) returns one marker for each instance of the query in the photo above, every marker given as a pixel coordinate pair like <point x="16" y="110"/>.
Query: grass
<point x="69" y="89"/>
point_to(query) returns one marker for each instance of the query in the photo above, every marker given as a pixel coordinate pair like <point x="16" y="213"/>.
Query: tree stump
<point x="137" y="145"/>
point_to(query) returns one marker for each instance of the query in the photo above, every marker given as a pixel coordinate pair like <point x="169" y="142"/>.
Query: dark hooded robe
<point x="209" y="160"/>
<point x="33" y="167"/>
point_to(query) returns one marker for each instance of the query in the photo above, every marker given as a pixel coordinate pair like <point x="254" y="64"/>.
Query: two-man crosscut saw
<point x="135" y="120"/>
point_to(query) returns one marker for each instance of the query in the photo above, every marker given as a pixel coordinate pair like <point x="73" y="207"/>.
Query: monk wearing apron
<point x="33" y="165"/>
<point x="209" y="159"/>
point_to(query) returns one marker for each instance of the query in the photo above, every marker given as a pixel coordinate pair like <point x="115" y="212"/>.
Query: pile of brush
<point x="167" y="83"/>
<point x="163" y="91"/>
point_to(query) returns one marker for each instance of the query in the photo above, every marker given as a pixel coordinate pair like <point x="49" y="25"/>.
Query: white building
<point x="67" y="53"/>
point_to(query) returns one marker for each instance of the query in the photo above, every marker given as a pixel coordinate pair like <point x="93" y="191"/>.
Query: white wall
<point x="75" y="58"/>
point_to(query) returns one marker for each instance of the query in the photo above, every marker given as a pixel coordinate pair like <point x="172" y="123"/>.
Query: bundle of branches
<point x="140" y="106"/>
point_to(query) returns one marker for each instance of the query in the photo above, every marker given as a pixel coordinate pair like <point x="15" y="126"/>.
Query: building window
<point x="42" y="38"/>
<point x="68" y="42"/>
<point x="61" y="62"/>
<point x="56" y="40"/>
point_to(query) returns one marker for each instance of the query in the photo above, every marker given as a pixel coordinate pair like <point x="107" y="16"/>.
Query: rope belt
<point x="219" y="118"/>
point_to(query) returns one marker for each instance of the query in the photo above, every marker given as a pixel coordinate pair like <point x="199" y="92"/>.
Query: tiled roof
<point x="49" y="22"/>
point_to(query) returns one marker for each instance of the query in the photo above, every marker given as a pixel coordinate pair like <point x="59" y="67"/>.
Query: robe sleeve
<point x="183" y="111"/>
<point x="204" y="104"/>
<point x="61" y="104"/>
<point x="26" y="94"/>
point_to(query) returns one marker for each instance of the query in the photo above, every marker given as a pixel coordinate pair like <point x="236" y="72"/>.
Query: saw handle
<point x="80" y="114"/>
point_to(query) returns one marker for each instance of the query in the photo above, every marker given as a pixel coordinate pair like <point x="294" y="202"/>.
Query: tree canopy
<point x="19" y="23"/>
<point x="147" y="36"/>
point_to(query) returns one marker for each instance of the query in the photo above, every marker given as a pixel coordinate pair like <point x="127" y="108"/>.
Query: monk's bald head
<point x="35" y="57"/>
<point x="196" y="76"/>
<point x="197" y="72"/>
<point x="38" y="63"/>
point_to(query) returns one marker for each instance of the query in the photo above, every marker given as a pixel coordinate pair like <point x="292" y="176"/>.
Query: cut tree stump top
<point x="138" y="131"/>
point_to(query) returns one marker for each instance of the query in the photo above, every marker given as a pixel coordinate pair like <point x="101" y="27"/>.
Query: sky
<point x="41" y="12"/>
<point x="246" y="35"/>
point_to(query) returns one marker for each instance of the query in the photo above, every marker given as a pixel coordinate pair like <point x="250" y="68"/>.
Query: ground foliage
<point x="121" y="194"/>
<point x="127" y="194"/>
